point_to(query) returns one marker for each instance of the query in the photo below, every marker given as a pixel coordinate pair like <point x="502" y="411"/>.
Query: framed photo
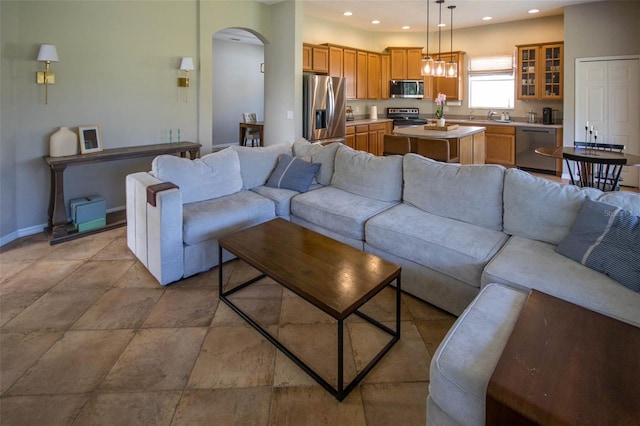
<point x="90" y="139"/>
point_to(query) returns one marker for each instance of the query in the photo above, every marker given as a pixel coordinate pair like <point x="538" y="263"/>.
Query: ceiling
<point x="394" y="14"/>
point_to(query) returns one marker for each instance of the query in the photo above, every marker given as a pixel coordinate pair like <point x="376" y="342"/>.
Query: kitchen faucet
<point x="491" y="114"/>
<point x="471" y="116"/>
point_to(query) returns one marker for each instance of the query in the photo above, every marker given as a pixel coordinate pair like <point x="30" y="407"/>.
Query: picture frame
<point x="90" y="139"/>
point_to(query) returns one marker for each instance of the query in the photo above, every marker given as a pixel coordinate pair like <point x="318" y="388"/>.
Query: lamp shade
<point x="186" y="64"/>
<point x="48" y="53"/>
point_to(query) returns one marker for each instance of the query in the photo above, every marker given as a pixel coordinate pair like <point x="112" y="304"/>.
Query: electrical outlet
<point x="356" y="109"/>
<point x="290" y="115"/>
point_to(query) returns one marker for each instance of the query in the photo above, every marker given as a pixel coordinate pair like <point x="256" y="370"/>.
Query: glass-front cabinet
<point x="540" y="68"/>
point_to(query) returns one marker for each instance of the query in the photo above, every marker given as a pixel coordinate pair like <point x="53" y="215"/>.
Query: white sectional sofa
<point x="470" y="239"/>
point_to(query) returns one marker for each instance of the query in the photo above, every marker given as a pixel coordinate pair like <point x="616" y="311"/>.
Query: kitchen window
<point x="492" y="82"/>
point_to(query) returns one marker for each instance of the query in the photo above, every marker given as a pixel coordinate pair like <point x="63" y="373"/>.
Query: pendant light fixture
<point x="427" y="61"/>
<point x="451" y="70"/>
<point x="439" y="65"/>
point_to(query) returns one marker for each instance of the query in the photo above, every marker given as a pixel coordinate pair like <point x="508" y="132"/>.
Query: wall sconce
<point x="47" y="54"/>
<point x="186" y="65"/>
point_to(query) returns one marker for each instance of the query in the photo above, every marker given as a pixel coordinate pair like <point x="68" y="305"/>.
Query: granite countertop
<point x="482" y="122"/>
<point x="361" y="121"/>
<point x="421" y="132"/>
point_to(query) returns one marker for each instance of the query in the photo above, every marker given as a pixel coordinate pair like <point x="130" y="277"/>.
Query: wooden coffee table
<point x="565" y="364"/>
<point x="334" y="277"/>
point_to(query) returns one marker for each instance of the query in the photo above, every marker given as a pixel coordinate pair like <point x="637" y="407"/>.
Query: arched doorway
<point x="237" y="81"/>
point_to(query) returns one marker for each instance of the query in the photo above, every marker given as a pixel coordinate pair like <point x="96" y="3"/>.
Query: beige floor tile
<point x="382" y="307"/>
<point x="407" y="361"/>
<point x="183" y="307"/>
<point x="40" y="276"/>
<point x="231" y="406"/>
<point x="56" y="310"/>
<point x="287" y="373"/>
<point x="226" y="317"/>
<point x="234" y="357"/>
<point x="32" y="247"/>
<point x="140" y="409"/>
<point x="204" y="279"/>
<point x="12" y="304"/>
<point x="75" y="364"/>
<point x="156" y="359"/>
<point x="120" y="308"/>
<point x="395" y="403"/>
<point x="317" y="346"/>
<point x="236" y="272"/>
<point x="137" y="276"/>
<point x="9" y="268"/>
<point x="80" y="249"/>
<point x="296" y="310"/>
<point x="50" y="410"/>
<point x="116" y="250"/>
<point x="434" y="331"/>
<point x="265" y="311"/>
<point x="424" y="311"/>
<point x="313" y="406"/>
<point x="18" y="351"/>
<point x="95" y="274"/>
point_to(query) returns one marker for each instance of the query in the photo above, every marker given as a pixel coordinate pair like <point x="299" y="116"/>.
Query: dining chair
<point x="396" y="145"/>
<point x="252" y="135"/>
<point x="594" y="171"/>
<point x="437" y="149"/>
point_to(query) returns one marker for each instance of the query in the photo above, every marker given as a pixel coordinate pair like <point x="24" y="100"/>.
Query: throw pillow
<point x="212" y="176"/>
<point x="323" y="154"/>
<point x="293" y="173"/>
<point x="606" y="238"/>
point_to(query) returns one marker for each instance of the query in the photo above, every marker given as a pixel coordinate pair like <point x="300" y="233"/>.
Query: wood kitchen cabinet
<point x="376" y="136"/>
<point x="362" y="137"/>
<point x="385" y="73"/>
<point x="349" y="72"/>
<point x="362" y="73"/>
<point x="336" y="55"/>
<point x="368" y="137"/>
<point x="405" y="63"/>
<point x="500" y="145"/>
<point x="540" y="71"/>
<point x="373" y="75"/>
<point x="452" y="87"/>
<point x="315" y="58"/>
<point x="350" y="137"/>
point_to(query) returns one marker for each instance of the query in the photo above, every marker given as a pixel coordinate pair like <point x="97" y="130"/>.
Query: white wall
<point x="238" y="86"/>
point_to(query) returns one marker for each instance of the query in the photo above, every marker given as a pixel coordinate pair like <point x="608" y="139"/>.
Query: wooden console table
<point x="58" y="229"/>
<point x="565" y="364"/>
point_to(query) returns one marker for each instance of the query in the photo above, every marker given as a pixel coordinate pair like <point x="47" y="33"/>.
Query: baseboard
<point x="25" y="232"/>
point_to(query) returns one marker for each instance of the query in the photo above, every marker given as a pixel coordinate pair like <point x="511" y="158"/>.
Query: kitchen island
<point x="466" y="141"/>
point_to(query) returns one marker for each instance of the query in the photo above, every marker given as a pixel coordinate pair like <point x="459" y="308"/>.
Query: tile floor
<point x="88" y="337"/>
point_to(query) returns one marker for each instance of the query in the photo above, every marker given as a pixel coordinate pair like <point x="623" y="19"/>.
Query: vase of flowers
<point x="440" y="101"/>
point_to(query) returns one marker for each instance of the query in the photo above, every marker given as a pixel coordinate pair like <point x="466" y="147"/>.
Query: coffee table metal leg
<point x="340" y="360"/>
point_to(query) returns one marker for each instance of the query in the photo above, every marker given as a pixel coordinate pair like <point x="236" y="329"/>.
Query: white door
<point x="608" y="97"/>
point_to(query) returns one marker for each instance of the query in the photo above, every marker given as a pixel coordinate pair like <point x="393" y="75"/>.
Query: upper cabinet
<point x="405" y="63"/>
<point x="452" y="87"/>
<point x="315" y="58"/>
<point x="540" y="68"/>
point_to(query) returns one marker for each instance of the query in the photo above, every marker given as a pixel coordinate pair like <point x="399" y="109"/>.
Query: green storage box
<point x="92" y="224"/>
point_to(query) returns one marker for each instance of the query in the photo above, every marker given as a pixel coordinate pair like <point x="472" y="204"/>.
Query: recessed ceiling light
<point x="406" y="27"/>
<point x="534" y="11"/>
<point x="487" y="18"/>
<point x="375" y="22"/>
<point x="347" y="13"/>
<point x="442" y="25"/>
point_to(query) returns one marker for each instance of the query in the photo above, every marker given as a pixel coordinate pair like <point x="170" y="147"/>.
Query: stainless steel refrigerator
<point x="324" y="108"/>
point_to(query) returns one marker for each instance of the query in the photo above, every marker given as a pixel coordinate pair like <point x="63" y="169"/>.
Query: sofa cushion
<point x="365" y="174"/>
<point x="323" y="154"/>
<point x="211" y="219"/>
<point x="529" y="264"/>
<point x="212" y="176"/>
<point x="539" y="209"/>
<point x="465" y="359"/>
<point x="452" y="247"/>
<point x="292" y="173"/>
<point x="337" y="210"/>
<point x="606" y="238"/>
<point x="470" y="193"/>
<point x="257" y="163"/>
<point x="281" y="198"/>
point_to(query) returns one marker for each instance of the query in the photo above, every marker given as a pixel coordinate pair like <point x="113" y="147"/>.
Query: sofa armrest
<point x="154" y="233"/>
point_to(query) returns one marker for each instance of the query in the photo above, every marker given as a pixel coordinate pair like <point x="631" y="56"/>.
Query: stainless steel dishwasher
<point x="527" y="140"/>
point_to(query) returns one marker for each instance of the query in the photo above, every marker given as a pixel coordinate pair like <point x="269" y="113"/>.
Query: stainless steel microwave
<point x="406" y="88"/>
